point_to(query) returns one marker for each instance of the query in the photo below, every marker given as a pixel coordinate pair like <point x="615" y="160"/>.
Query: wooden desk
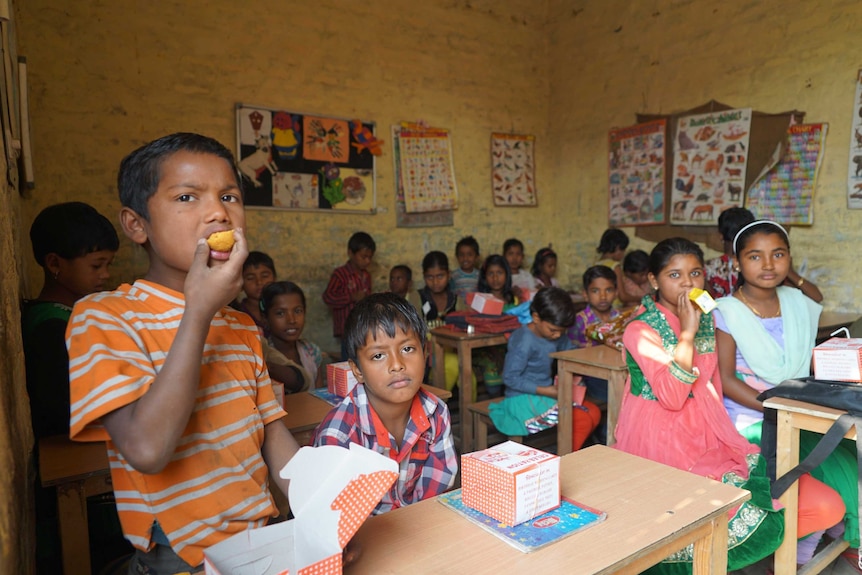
<point x="653" y="511"/>
<point x="792" y="417"/>
<point x="597" y="361"/>
<point x="80" y="470"/>
<point x="464" y="344"/>
<point x="832" y="320"/>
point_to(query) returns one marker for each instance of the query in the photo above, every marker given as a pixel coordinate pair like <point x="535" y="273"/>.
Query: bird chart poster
<point x="854" y="170"/>
<point x="784" y="192"/>
<point x="513" y="170"/>
<point x="425" y="169"/>
<point x="636" y="167"/>
<point x="294" y="161"/>
<point x="710" y="156"/>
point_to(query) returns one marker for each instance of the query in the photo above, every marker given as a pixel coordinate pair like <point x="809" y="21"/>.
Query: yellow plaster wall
<point x="610" y="60"/>
<point x="108" y="76"/>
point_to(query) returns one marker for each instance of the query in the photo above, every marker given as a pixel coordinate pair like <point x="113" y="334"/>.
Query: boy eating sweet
<point x="170" y="377"/>
<point x="388" y="411"/>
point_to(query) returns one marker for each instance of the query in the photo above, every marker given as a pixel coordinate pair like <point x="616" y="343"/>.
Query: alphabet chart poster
<point x="636" y="164"/>
<point x="709" y="161"/>
<point x="426" y="169"/>
<point x="785" y="192"/>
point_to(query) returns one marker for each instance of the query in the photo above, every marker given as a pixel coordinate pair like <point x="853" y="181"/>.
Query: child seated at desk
<point x="531" y="392"/>
<point x="387" y="410"/>
<point x="258" y="271"/>
<point x="465" y="278"/>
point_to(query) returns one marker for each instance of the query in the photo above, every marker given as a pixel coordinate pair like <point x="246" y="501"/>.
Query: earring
<point x="56" y="275"/>
<point x="736" y="269"/>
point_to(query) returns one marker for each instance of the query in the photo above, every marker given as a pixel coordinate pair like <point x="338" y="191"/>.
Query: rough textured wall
<point x="108" y="76"/>
<point x="610" y="60"/>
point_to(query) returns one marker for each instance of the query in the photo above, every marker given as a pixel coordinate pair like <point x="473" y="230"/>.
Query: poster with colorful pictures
<point x="784" y="192"/>
<point x="636" y="167"/>
<point x="415" y="219"/>
<point x="295" y="161"/>
<point x="426" y="169"/>
<point x="513" y="169"/>
<point x="709" y="162"/>
<point x="854" y="170"/>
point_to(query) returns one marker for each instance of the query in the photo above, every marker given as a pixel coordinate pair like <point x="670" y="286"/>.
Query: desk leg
<point x="710" y="552"/>
<point x="616" y="389"/>
<point x="787" y="457"/>
<point x="564" y="409"/>
<point x="439" y="363"/>
<point x="74" y="536"/>
<point x="465" y="395"/>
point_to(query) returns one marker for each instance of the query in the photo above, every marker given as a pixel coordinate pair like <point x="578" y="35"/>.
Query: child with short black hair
<point x="465" y="278"/>
<point x="545" y="268"/>
<point x="612" y="248"/>
<point x="350" y="283"/>
<point x="635" y="283"/>
<point x="171" y="377"/>
<point x="400" y="280"/>
<point x="513" y="251"/>
<point x="496" y="278"/>
<point x="437" y="298"/>
<point x="283" y="305"/>
<point x="388" y="411"/>
<point x="531" y="392"/>
<point x="258" y="271"/>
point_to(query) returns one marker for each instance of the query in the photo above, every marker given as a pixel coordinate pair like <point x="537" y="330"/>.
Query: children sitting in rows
<point x="388" y="411"/>
<point x="283" y="305"/>
<point x="258" y="271"/>
<point x="545" y="268"/>
<point x="513" y="251"/>
<point x="350" y="283"/>
<point x="465" y="279"/>
<point x="531" y="393"/>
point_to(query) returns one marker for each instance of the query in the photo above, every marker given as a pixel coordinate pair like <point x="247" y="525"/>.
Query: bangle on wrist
<point x="800" y="282"/>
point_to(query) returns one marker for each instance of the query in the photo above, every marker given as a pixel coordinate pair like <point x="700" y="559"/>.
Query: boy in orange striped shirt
<point x="172" y="378"/>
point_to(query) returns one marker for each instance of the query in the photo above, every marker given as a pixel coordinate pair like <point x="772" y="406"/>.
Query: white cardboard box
<point x="340" y="379"/>
<point x="485" y="303"/>
<point x="332" y="492"/>
<point x="511" y="482"/>
<point x="838" y="359"/>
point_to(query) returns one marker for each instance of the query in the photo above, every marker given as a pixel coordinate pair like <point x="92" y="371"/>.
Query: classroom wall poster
<point x="416" y="219"/>
<point x="784" y="192"/>
<point x="426" y="169"/>
<point x="709" y="163"/>
<point x="636" y="168"/>
<point x="513" y="170"/>
<point x="854" y="170"/>
<point x="295" y="161"/>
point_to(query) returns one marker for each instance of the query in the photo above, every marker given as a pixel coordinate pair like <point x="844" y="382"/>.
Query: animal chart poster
<point x="854" y="170"/>
<point x="294" y="161"/>
<point x="709" y="163"/>
<point x="426" y="169"/>
<point x="513" y="170"/>
<point x="785" y="191"/>
<point x="636" y="164"/>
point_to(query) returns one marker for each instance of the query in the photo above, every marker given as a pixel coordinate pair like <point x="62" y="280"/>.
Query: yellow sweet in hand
<point x="703" y="300"/>
<point x="221" y="241"/>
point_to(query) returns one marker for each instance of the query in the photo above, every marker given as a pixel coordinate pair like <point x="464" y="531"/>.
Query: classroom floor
<point x="838" y="567"/>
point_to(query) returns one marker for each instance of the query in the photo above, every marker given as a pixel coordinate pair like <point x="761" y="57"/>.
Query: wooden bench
<point x="481" y="416"/>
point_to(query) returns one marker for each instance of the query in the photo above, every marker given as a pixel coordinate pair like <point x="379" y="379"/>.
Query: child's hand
<point x="210" y="284"/>
<point x="689" y="314"/>
<point x="359" y="295"/>
<point x="548" y="390"/>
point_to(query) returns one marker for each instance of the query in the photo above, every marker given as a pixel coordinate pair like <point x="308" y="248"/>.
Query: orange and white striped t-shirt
<point x="216" y="483"/>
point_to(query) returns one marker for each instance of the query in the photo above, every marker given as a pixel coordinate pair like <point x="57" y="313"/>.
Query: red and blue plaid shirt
<point x="426" y="459"/>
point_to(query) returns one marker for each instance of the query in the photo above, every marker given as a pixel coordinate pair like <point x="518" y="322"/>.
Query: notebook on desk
<point x="567" y="519"/>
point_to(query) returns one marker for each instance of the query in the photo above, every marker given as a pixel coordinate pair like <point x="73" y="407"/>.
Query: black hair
<point x="467" y="241"/>
<point x="361" y="241"/>
<point x="554" y="305"/>
<point x="496" y="260"/>
<point x="613" y="240"/>
<point x="435" y="259"/>
<point x="275" y="289"/>
<point x="664" y="250"/>
<point x="71" y="230"/>
<point x="512" y="242"/>
<point x="731" y="220"/>
<point x="636" y="261"/>
<point x="596" y="272"/>
<point x="542" y="256"/>
<point x="384" y="311"/>
<point x="760" y="227"/>
<point x="404" y="268"/>
<point x="258" y="259"/>
<point x="141" y="171"/>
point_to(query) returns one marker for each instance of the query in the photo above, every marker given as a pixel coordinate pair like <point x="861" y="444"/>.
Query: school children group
<point x="178" y="382"/>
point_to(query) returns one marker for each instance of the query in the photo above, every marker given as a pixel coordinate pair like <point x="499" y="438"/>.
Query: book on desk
<point x="567" y="519"/>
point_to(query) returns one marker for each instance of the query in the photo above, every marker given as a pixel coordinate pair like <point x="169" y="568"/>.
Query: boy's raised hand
<point x="212" y="284"/>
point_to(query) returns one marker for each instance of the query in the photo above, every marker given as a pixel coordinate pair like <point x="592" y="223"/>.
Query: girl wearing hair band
<point x="765" y="332"/>
<point x="672" y="412"/>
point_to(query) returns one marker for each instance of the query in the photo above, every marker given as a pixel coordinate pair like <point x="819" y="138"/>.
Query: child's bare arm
<point x="278" y="447"/>
<point x="734" y="388"/>
<point x="147" y="431"/>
